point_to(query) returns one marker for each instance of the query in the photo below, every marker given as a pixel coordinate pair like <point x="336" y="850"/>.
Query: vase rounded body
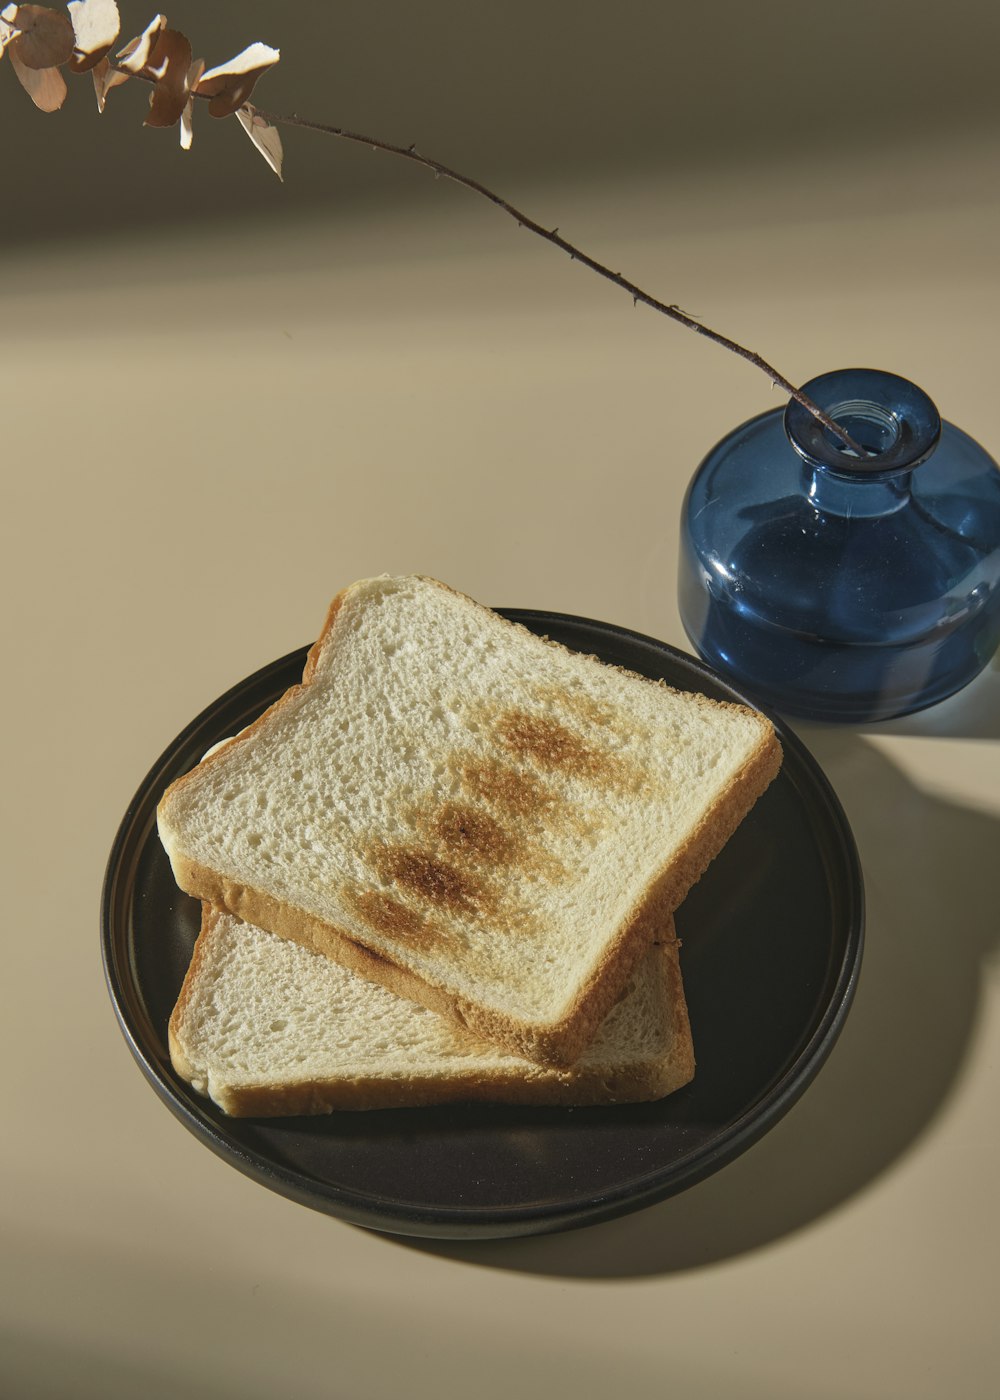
<point x="842" y="588"/>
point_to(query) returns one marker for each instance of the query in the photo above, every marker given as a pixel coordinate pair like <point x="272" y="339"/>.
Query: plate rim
<point x="635" y="1192"/>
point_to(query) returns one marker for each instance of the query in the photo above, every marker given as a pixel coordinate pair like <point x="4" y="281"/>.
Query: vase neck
<point x="855" y="494"/>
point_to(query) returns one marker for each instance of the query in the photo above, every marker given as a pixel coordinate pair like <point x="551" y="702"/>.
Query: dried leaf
<point x="45" y="86"/>
<point x="187" y="116"/>
<point x="264" y="136"/>
<point x="169" y="64"/>
<point x="44" y="39"/>
<point x="135" y="55"/>
<point x="231" y="83"/>
<point x="7" y="27"/>
<point x="187" y="125"/>
<point x="105" y="78"/>
<point x="96" y="24"/>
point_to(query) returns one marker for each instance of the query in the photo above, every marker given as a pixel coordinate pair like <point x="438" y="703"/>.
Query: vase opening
<point x="874" y="428"/>
<point x="891" y="419"/>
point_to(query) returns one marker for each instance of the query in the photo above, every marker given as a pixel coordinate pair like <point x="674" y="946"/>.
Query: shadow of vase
<point x="932" y="922"/>
<point x="971" y="713"/>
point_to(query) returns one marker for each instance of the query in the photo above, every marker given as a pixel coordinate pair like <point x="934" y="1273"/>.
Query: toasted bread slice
<point x="266" y="1028"/>
<point x="477" y="818"/>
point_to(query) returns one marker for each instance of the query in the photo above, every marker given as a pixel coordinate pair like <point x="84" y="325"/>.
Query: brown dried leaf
<point x="96" y="24"/>
<point x="44" y="39"/>
<point x="169" y="64"/>
<point x="135" y="55"/>
<point x="45" y="86"/>
<point x="264" y="136"/>
<point x="187" y="116"/>
<point x="105" y="78"/>
<point x="7" y="29"/>
<point x="86" y="62"/>
<point x="231" y="83"/>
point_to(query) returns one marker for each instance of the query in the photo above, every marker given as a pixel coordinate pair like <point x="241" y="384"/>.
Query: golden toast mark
<point x="509" y="789"/>
<point x="472" y="832"/>
<point x="433" y="880"/>
<point x="388" y="916"/>
<point x="470" y="836"/>
<point x="543" y="740"/>
<point x="580" y="705"/>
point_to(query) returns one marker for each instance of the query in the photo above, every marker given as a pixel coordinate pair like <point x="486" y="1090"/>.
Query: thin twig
<point x="577" y="255"/>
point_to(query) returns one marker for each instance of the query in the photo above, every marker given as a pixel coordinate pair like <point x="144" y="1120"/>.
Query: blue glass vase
<point x="842" y="588"/>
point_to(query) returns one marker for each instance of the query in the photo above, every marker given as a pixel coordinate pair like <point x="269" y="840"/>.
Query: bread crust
<point x="556" y="1044"/>
<point x="179" y="1060"/>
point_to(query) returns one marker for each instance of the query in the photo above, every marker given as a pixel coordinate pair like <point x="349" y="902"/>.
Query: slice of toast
<point x="475" y="817"/>
<point x="266" y="1028"/>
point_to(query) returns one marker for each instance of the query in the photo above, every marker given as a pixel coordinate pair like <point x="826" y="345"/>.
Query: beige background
<point x="224" y="398"/>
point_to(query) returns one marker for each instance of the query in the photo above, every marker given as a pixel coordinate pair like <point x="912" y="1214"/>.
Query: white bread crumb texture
<point x="259" y="1010"/>
<point x="460" y="794"/>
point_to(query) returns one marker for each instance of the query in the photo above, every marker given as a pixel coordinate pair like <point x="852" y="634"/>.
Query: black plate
<point x="772" y="939"/>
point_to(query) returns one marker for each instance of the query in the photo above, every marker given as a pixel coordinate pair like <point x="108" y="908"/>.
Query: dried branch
<point x="577" y="255"/>
<point x="41" y="41"/>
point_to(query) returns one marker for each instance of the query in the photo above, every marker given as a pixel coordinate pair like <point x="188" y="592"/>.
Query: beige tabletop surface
<point x="210" y="427"/>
